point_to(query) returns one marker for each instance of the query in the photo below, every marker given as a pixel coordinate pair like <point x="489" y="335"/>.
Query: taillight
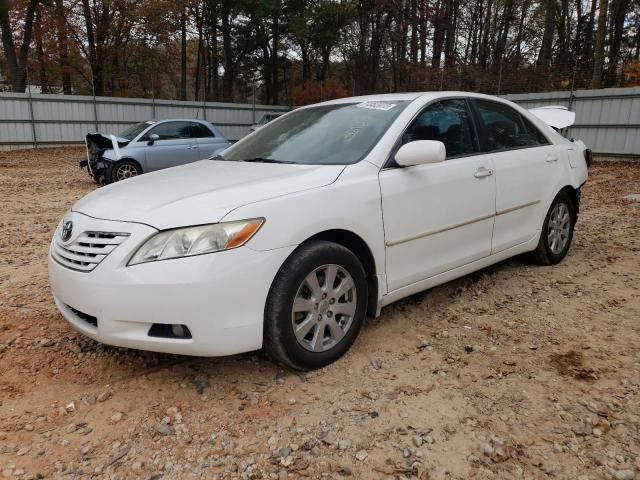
<point x="588" y="156"/>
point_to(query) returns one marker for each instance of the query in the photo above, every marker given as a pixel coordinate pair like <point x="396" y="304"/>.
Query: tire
<point x="125" y="169"/>
<point x="291" y="290"/>
<point x="548" y="252"/>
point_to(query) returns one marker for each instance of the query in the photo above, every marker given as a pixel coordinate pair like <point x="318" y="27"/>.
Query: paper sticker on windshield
<point x="377" y="105"/>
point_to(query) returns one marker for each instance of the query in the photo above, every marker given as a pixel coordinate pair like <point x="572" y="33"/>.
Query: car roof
<point x="409" y="96"/>
<point x="181" y="120"/>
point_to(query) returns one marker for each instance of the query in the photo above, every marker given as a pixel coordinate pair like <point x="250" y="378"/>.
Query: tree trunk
<point x="414" y="31"/>
<point x="275" y="66"/>
<point x="17" y="63"/>
<point x="618" y="13"/>
<point x="544" y="56"/>
<point x="227" y="79"/>
<point x="450" y="33"/>
<point x="438" y="33"/>
<point x="598" y="62"/>
<point x="95" y="57"/>
<point x="42" y="69"/>
<point x="423" y="31"/>
<point x="483" y="53"/>
<point x="63" y="48"/>
<point x="183" y="52"/>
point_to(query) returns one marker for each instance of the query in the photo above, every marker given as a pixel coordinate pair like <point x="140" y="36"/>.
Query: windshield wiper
<point x="264" y="160"/>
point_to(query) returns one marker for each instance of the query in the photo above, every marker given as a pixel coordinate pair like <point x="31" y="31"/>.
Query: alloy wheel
<point x="558" y="228"/>
<point x="126" y="171"/>
<point x="324" y="308"/>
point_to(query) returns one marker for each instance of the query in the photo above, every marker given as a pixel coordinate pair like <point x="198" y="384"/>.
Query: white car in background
<point x="290" y="237"/>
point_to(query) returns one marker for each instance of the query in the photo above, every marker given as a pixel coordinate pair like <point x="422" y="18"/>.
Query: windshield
<point x="134" y="130"/>
<point x="337" y="134"/>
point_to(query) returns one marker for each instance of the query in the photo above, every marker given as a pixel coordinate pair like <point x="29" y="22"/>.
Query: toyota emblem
<point x="67" y="230"/>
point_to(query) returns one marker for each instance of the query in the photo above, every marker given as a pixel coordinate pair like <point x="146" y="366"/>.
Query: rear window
<point x="505" y="128"/>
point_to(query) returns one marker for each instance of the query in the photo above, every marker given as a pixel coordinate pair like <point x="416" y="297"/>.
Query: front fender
<point x="291" y="219"/>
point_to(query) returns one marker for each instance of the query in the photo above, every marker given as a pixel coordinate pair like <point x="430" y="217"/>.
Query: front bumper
<point x="220" y="297"/>
<point x="98" y="168"/>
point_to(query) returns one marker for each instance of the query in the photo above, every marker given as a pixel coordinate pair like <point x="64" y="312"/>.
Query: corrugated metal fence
<point x="607" y="120"/>
<point x="45" y="119"/>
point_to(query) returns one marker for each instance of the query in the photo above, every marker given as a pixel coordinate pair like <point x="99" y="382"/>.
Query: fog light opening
<point x="180" y="331"/>
<point x="169" y="330"/>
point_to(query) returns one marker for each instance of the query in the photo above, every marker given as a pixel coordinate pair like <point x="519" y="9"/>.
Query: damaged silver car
<point x="148" y="146"/>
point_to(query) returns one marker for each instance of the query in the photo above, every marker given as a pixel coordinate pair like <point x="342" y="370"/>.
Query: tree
<point x="17" y="62"/>
<point x="600" y="39"/>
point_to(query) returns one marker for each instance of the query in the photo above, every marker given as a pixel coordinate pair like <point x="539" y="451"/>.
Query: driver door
<point x="174" y="147"/>
<point x="438" y="216"/>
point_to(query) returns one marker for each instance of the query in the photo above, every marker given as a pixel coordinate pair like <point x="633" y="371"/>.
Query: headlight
<point x="189" y="241"/>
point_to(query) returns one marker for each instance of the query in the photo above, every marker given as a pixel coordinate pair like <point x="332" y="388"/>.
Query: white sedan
<point x="288" y="239"/>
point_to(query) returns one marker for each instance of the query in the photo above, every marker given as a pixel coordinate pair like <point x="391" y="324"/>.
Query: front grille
<point x="87" y="251"/>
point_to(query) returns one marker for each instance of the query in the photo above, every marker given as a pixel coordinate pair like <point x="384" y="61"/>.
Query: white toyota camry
<point x="289" y="238"/>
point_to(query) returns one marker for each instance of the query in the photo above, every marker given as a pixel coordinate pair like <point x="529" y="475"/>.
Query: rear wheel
<point x="125" y="169"/>
<point x="557" y="231"/>
<point x="316" y="306"/>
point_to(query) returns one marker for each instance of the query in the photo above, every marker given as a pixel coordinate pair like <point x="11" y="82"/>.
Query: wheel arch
<point x="574" y="194"/>
<point x="129" y="159"/>
<point x="360" y="249"/>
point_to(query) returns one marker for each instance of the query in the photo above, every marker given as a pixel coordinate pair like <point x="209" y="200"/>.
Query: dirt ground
<point x="517" y="371"/>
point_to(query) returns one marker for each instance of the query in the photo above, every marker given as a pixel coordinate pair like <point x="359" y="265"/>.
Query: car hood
<point x="200" y="192"/>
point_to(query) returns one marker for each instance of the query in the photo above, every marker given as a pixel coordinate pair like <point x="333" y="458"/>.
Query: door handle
<point x="483" y="172"/>
<point x="551" y="158"/>
<point x="192" y="147"/>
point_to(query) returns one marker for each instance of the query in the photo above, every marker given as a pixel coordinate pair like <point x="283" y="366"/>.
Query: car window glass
<point x="449" y="122"/>
<point x="171" y="131"/>
<point x="504" y="127"/>
<point x="134" y="130"/>
<point x="536" y="134"/>
<point x="197" y="130"/>
<point x="329" y="134"/>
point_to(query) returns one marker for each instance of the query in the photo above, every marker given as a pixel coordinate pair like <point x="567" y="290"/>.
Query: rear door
<point x="174" y="147"/>
<point x="209" y="144"/>
<point x="526" y="163"/>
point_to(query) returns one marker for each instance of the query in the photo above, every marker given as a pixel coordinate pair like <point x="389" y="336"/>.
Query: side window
<point x="198" y="130"/>
<point x="449" y="122"/>
<point x="536" y="134"/>
<point x="506" y="128"/>
<point x="171" y="131"/>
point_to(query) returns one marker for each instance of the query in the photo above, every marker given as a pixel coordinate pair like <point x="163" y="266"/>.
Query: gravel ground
<point x="516" y="371"/>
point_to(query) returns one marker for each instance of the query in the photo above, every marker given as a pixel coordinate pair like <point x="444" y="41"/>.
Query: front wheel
<point x="557" y="231"/>
<point x="125" y="169"/>
<point x="316" y="306"/>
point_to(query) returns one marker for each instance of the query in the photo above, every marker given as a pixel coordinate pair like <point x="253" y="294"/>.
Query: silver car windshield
<point x="337" y="134"/>
<point x="134" y="130"/>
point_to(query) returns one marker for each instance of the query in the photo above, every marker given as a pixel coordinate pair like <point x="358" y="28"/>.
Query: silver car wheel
<point x="324" y="308"/>
<point x="558" y="228"/>
<point x="126" y="171"/>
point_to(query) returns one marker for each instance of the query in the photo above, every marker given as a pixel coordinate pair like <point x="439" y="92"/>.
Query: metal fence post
<point x="153" y="99"/>
<point x="95" y="106"/>
<point x="253" y="102"/>
<point x="31" y="115"/>
<point x="573" y="84"/>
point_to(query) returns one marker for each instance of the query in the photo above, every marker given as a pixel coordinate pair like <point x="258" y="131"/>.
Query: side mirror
<point x="419" y="152"/>
<point x="152" y="138"/>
